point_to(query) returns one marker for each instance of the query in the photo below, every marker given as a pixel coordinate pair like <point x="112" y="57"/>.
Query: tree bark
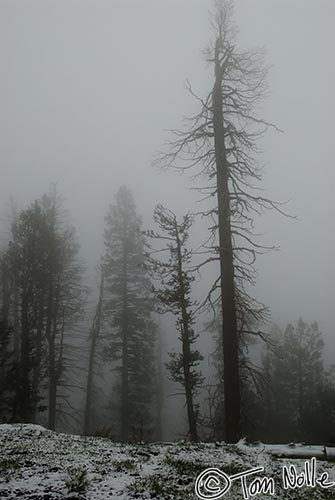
<point x="52" y="385"/>
<point x="229" y="324"/>
<point x="38" y="356"/>
<point x="50" y="336"/>
<point x="94" y="336"/>
<point x="125" y="368"/>
<point x="160" y="389"/>
<point x="16" y="319"/>
<point x="22" y="406"/>
<point x="53" y="372"/>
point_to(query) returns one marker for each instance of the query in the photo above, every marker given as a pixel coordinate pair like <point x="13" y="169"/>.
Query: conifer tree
<point x="8" y="371"/>
<point x="128" y="310"/>
<point x="296" y="387"/>
<point x="174" y="296"/>
<point x="46" y="296"/>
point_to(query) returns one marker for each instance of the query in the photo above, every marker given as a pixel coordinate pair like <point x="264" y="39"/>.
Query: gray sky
<point x="88" y="87"/>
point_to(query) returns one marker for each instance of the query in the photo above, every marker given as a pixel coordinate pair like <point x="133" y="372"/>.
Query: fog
<point x="90" y="89"/>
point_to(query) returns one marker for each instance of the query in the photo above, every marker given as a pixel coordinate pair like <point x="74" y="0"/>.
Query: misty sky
<point x="89" y="88"/>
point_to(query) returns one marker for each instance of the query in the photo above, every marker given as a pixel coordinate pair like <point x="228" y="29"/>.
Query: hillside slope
<point x="38" y="464"/>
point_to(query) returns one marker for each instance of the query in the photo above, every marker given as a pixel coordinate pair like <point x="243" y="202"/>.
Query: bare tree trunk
<point x="160" y="389"/>
<point x="125" y="369"/>
<point x="229" y="326"/>
<point x="15" y="297"/>
<point x="49" y="333"/>
<point x="16" y="319"/>
<point x="38" y="356"/>
<point x="59" y="368"/>
<point x="300" y="398"/>
<point x="53" y="372"/>
<point x="94" y="336"/>
<point x="23" y="395"/>
<point x="6" y="294"/>
<point x="52" y="385"/>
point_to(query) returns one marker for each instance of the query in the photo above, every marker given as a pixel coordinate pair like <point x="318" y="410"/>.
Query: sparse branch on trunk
<point x="94" y="334"/>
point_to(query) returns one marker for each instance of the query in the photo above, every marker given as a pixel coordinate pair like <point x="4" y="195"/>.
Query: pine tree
<point x="128" y="313"/>
<point x="296" y="387"/>
<point x="175" y="296"/>
<point x="42" y="259"/>
<point x="65" y="297"/>
<point x="26" y="256"/>
<point x="302" y="349"/>
<point x="8" y="372"/>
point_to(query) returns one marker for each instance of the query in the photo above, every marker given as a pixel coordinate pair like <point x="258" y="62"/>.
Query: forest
<point x="169" y="341"/>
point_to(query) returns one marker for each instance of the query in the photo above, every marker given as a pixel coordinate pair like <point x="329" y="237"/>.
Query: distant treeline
<point x="50" y="356"/>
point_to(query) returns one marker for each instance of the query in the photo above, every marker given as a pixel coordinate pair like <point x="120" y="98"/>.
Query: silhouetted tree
<point x="94" y="335"/>
<point x="220" y="143"/>
<point x="175" y="296"/>
<point x="27" y="257"/>
<point x="8" y="371"/>
<point x="296" y="387"/>
<point x="128" y="308"/>
<point x="47" y="294"/>
<point x="7" y="356"/>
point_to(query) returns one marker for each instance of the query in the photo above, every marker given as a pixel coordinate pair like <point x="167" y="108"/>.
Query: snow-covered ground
<point x="38" y="464"/>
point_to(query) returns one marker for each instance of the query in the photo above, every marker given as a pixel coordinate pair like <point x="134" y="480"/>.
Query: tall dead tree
<point x="94" y="334"/>
<point x="219" y="143"/>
